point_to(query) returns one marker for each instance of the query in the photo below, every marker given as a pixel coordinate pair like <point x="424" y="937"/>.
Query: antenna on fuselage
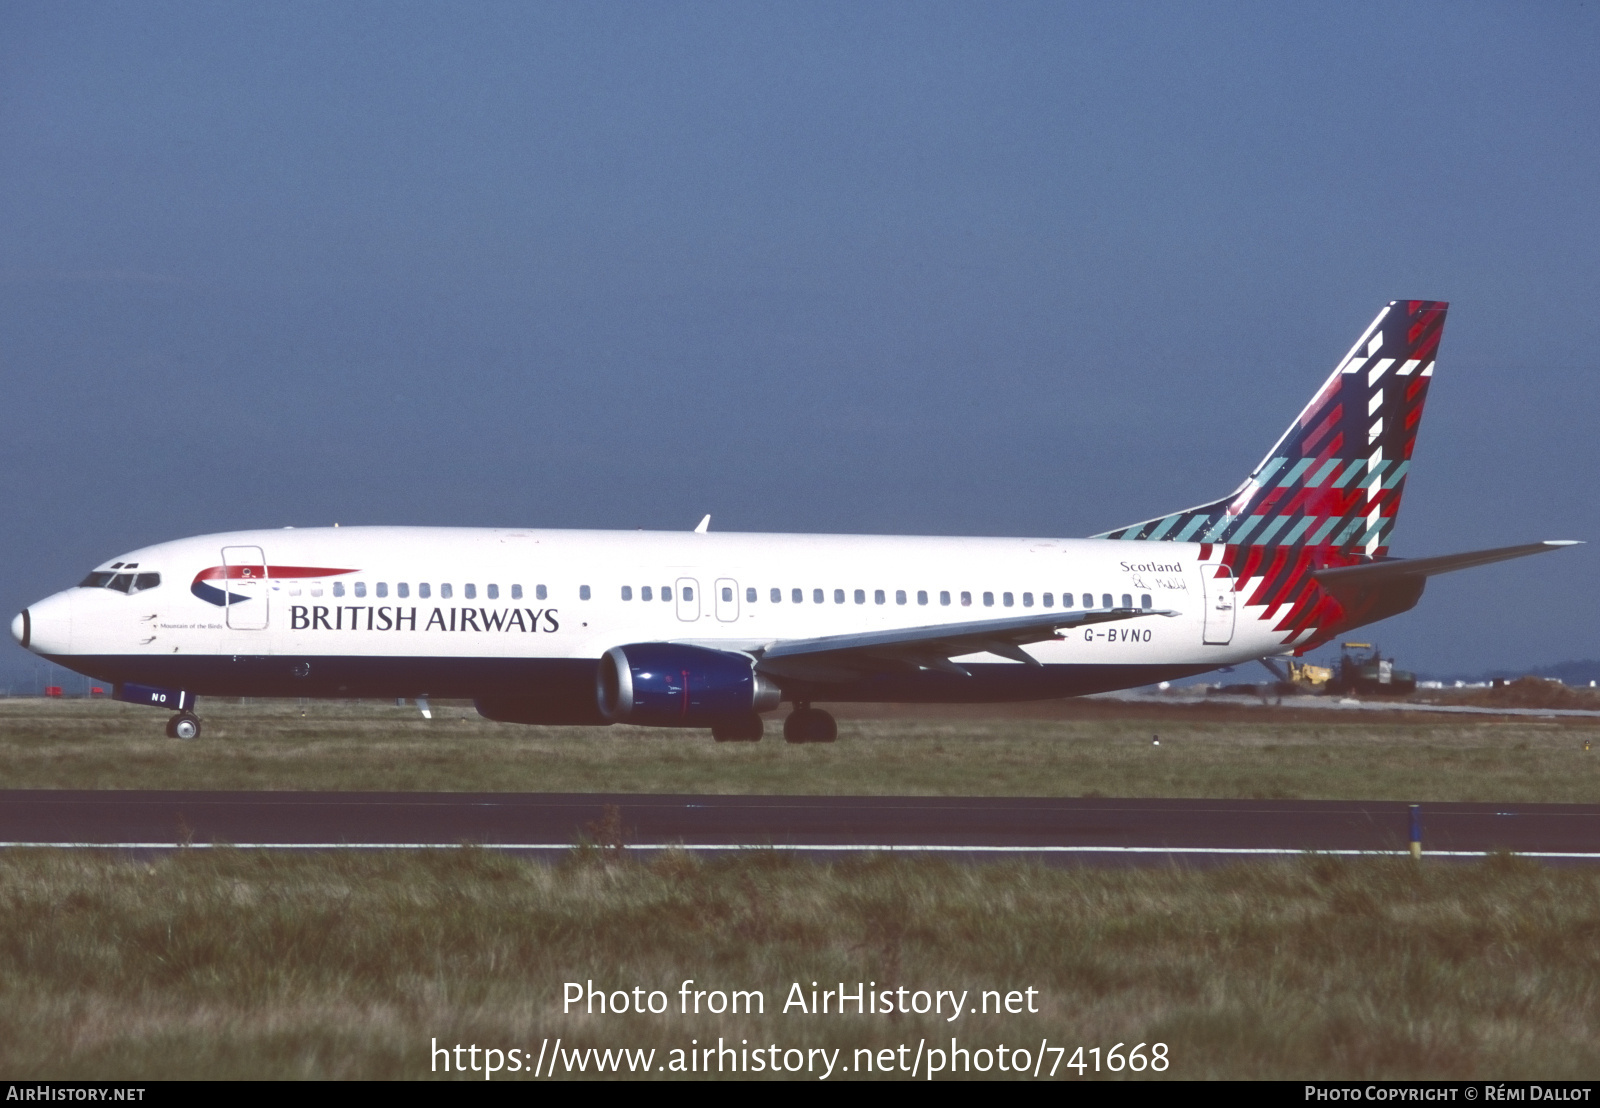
<point x="700" y="528"/>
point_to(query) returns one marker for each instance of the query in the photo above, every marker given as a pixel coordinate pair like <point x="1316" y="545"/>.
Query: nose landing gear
<point x="809" y="725"/>
<point x="185" y="726"/>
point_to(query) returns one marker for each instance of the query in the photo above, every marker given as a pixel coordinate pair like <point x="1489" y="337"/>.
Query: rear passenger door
<point x="1220" y="598"/>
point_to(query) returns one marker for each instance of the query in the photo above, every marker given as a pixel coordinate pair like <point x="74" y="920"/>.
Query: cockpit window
<point x="121" y="582"/>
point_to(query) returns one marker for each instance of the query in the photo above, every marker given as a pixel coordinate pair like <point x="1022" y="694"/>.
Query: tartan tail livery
<point x="1303" y="543"/>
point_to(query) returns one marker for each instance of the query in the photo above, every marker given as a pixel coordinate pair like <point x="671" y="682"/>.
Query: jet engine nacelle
<point x="670" y="685"/>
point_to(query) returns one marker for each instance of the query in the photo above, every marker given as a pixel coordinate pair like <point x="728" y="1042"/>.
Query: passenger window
<point x="988" y="600"/>
<point x="445" y="592"/>
<point x="402" y="590"/>
<point x="922" y="596"/>
<point x="1027" y="600"/>
<point x="516" y="592"/>
<point x="627" y="592"/>
<point x="1144" y="601"/>
<point x="338" y="588"/>
<point x="361" y="588"/>
<point x="861" y="596"/>
<point x="1105" y="600"/>
<point x="583" y="592"/>
<point x="1127" y="600"/>
<point x="816" y="596"/>
<point x="1088" y="600"/>
<point x="944" y="599"/>
<point x="899" y="596"/>
<point x="1005" y="598"/>
<point x="750" y="595"/>
<point x="727" y="594"/>
<point x="494" y="592"/>
<point x="423" y="591"/>
<point x="645" y="593"/>
<point x="877" y="597"/>
<point x="383" y="590"/>
<point x="666" y="592"/>
<point x="838" y="596"/>
<point x="777" y="596"/>
<point x="688" y="593"/>
<point x="471" y="591"/>
<point x="316" y="588"/>
<point x="1049" y="599"/>
<point x="146" y="581"/>
<point x="541" y="593"/>
<point x="966" y="600"/>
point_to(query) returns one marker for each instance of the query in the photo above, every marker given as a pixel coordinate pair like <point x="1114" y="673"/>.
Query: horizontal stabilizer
<point x="1395" y="569"/>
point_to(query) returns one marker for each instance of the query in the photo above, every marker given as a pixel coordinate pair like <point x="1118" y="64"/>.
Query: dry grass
<point x="222" y="964"/>
<point x="1087" y="749"/>
<point x="242" y="964"/>
<point x="1530" y="692"/>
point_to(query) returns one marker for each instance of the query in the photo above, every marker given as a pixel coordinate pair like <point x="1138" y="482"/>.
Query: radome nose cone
<point x="45" y="627"/>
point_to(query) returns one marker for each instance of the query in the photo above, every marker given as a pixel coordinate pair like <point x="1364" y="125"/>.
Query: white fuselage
<point x="463" y="593"/>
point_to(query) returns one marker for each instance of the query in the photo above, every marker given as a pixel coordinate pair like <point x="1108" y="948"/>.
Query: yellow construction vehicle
<point x="1307" y="677"/>
<point x="1370" y="673"/>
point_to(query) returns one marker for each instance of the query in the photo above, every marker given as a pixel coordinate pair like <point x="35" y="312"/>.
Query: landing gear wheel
<point x="746" y="729"/>
<point x="185" y="726"/>
<point x="810" y="725"/>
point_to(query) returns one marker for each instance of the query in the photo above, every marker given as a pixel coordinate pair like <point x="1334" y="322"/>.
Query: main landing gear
<point x="809" y="725"/>
<point x="184" y="725"/>
<point x="804" y="725"/>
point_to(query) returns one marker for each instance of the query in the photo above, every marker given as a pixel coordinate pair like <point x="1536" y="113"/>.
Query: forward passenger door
<point x="244" y="586"/>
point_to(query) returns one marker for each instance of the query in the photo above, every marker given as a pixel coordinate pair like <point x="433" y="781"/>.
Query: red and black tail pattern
<point x="1328" y="492"/>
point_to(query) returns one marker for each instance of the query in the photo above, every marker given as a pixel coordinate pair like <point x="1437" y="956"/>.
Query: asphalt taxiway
<point x="1084" y="828"/>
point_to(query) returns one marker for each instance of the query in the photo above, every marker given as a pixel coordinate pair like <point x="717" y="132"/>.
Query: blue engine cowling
<point x="660" y="684"/>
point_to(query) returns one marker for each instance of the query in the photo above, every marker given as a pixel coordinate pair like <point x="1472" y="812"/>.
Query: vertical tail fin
<point x="1327" y="494"/>
<point x="1336" y="476"/>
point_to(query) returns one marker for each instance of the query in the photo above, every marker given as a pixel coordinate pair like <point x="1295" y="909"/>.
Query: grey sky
<point x="987" y="268"/>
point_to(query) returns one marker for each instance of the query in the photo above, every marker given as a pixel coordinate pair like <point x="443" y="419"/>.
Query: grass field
<point x="223" y="965"/>
<point x="255" y="964"/>
<point x="1072" y="749"/>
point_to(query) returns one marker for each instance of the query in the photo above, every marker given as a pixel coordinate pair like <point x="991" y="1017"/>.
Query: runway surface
<point x="1087" y="828"/>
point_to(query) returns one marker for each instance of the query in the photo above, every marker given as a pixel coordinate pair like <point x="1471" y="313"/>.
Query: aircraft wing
<point x="840" y="657"/>
<point x="1395" y="569"/>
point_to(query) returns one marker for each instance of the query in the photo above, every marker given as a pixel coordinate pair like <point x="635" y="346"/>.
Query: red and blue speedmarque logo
<point x="211" y="594"/>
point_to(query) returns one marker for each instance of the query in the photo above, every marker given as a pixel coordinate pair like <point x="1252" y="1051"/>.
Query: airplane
<point x="704" y="629"/>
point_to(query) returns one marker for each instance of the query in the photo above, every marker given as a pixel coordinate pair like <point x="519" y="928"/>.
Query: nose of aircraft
<point x="45" y="627"/>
